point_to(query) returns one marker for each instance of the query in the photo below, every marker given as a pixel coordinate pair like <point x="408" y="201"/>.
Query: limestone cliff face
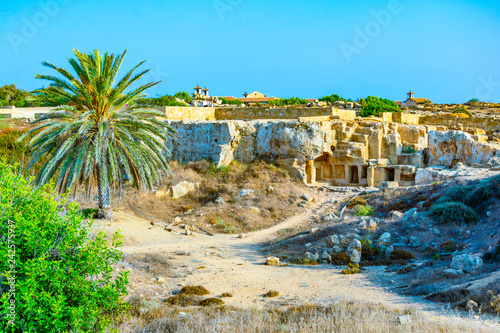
<point x="289" y="139"/>
<point x="224" y="141"/>
<point x="446" y="147"/>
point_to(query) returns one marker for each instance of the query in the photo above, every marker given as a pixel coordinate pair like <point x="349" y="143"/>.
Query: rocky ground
<point x="407" y="259"/>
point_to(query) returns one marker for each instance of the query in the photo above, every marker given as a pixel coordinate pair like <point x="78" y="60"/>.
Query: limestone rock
<point x="396" y="215"/>
<point x="466" y="262"/>
<point x="336" y="249"/>
<point x="404" y="320"/>
<point x="244" y="193"/>
<point x="326" y="257"/>
<point x="330" y="217"/>
<point x="446" y="147"/>
<point x="273" y="261"/>
<point x="452" y="273"/>
<point x="388" y="251"/>
<point x="414" y="242"/>
<point x="311" y="257"/>
<point x="385" y="238"/>
<point x="179" y="190"/>
<point x="354" y="251"/>
<point x="307" y="197"/>
<point x="372" y="224"/>
<point x="333" y="240"/>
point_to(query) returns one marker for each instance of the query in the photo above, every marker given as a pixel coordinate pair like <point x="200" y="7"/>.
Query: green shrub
<point x="457" y="194"/>
<point x="372" y="106"/>
<point x="351" y="269"/>
<point x="401" y="255"/>
<point x="453" y="212"/>
<point x="195" y="290"/>
<point x="272" y="293"/>
<point x="365" y="210"/>
<point x="485" y="191"/>
<point x="369" y="251"/>
<point x="64" y="278"/>
<point x="464" y="111"/>
<point x="211" y="302"/>
<point x="356" y="201"/>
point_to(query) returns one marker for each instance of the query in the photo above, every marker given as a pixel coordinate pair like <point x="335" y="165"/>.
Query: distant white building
<point x="411" y="101"/>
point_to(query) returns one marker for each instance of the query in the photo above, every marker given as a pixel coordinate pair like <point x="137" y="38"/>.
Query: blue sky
<point x="444" y="50"/>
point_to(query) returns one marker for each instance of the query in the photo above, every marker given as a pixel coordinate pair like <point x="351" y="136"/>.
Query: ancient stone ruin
<point x="328" y="146"/>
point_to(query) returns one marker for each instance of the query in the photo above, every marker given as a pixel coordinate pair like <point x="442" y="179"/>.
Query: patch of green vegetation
<point x="401" y="255"/>
<point x="369" y="251"/>
<point x="339" y="259"/>
<point x="183" y="300"/>
<point x="64" y="277"/>
<point x="195" y="290"/>
<point x="373" y="106"/>
<point x="453" y="213"/>
<point x="304" y="262"/>
<point x="89" y="213"/>
<point x="223" y="227"/>
<point x="272" y="293"/>
<point x="463" y="111"/>
<point x="211" y="302"/>
<point x="225" y="295"/>
<point x="364" y="210"/>
<point x="409" y="150"/>
<point x="356" y="201"/>
<point x="457" y="194"/>
<point x="288" y="101"/>
<point x="493" y="256"/>
<point x="351" y="269"/>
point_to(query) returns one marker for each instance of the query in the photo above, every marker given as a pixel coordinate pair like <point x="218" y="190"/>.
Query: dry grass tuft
<point x="195" y="290"/>
<point x="272" y="293"/>
<point x="342" y="317"/>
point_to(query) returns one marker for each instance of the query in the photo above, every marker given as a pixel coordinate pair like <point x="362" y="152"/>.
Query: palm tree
<point x="93" y="137"/>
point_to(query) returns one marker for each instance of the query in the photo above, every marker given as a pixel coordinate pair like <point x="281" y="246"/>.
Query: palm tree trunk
<point x="104" y="199"/>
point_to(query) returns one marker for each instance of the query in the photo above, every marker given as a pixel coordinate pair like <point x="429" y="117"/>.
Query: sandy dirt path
<point x="224" y="263"/>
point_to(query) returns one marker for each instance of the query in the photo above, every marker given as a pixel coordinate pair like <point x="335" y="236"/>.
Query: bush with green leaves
<point x="364" y="210"/>
<point x="484" y="194"/>
<point x="463" y="111"/>
<point x="452" y="213"/>
<point x="372" y="106"/>
<point x="457" y="194"/>
<point x="334" y="98"/>
<point x="63" y="274"/>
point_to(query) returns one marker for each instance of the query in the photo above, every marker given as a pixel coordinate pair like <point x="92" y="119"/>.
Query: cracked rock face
<point x="445" y="148"/>
<point x="224" y="141"/>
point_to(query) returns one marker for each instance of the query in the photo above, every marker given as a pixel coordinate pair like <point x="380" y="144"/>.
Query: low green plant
<point x="453" y="213"/>
<point x="401" y="255"/>
<point x="211" y="302"/>
<point x="225" y="295"/>
<point x="63" y="276"/>
<point x="463" y="111"/>
<point x="364" y="210"/>
<point x="195" y="290"/>
<point x="272" y="293"/>
<point x="409" y="150"/>
<point x="223" y="227"/>
<point x="351" y="269"/>
<point x="369" y="251"/>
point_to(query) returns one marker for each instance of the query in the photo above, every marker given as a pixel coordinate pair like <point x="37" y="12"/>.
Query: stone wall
<point x="189" y="113"/>
<point x="240" y="113"/>
<point x="29" y="113"/>
<point x="406" y="118"/>
<point x="486" y="123"/>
